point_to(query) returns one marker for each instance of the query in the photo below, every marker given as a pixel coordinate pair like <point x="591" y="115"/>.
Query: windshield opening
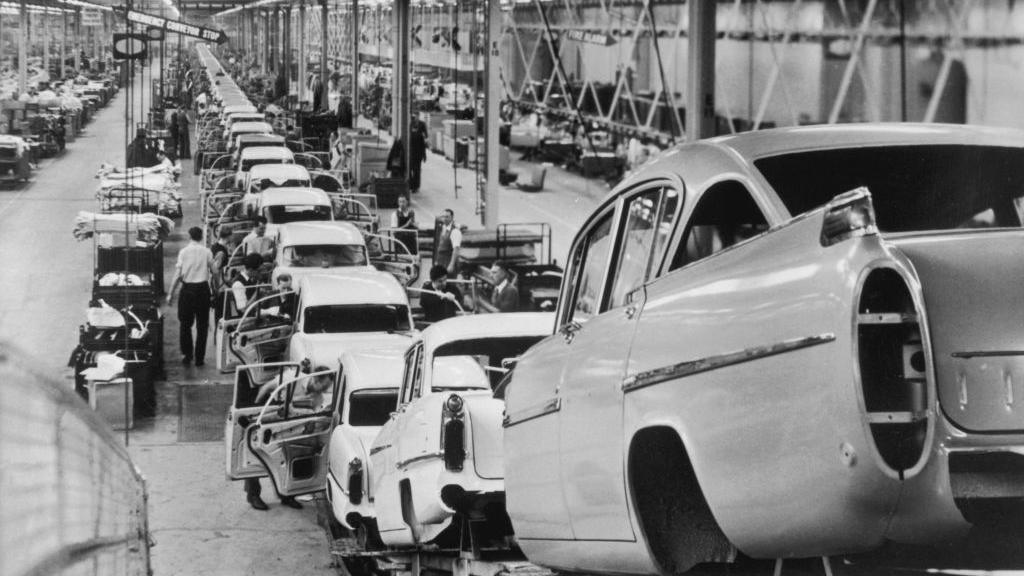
<point x="914" y="188"/>
<point x="282" y="214"/>
<point x="339" y="319"/>
<point x="248" y="164"/>
<point x="325" y="255"/>
<point x="476" y="363"/>
<point x="371" y="407"/>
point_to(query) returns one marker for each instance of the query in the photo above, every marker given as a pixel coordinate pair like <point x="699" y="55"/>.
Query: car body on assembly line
<point x="319" y="248"/>
<point x="438" y="460"/>
<point x="369" y="385"/>
<point x="787" y="343"/>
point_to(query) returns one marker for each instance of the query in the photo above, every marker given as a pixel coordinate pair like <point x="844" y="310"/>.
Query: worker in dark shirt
<point x="442" y="299"/>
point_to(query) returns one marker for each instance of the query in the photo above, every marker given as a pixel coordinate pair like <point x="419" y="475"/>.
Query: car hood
<point x="973" y="285"/>
<point x="325" y="348"/>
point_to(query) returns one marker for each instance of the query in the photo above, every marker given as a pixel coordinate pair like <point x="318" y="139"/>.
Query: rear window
<point x="358" y="318"/>
<point x="371" y="407"/>
<point x="326" y="255"/>
<point x="914" y="188"/>
<point x="283" y="214"/>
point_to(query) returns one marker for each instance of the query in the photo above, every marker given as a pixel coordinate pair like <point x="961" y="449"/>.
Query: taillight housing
<point x="893" y="363"/>
<point x="848" y="215"/>
<point x="355" y="481"/>
<point x="453" y="433"/>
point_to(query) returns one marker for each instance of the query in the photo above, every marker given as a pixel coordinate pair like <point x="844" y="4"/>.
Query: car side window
<point x="725" y="215"/>
<point x="417" y="378"/>
<point x="648" y="223"/>
<point x="589" y="263"/>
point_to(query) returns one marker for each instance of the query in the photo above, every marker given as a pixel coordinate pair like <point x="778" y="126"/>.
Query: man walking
<point x="193" y="271"/>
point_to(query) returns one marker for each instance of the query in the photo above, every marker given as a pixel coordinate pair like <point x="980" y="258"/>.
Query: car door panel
<point x="294" y="452"/>
<point x="241" y="419"/>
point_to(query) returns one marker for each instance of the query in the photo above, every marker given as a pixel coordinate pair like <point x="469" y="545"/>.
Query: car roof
<point x="239" y="127"/>
<point x="237" y="108"/>
<point x="245" y="115"/>
<point x="300" y="233"/>
<point x="375" y="368"/>
<point x="289" y="195"/>
<point x="482" y="326"/>
<point x="793" y="139"/>
<point x="277" y="152"/>
<point x="257" y="137"/>
<point x="278" y="171"/>
<point x="355" y="285"/>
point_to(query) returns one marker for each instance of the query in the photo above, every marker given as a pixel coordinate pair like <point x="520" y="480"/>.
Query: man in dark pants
<point x="417" y="152"/>
<point x="193" y="271"/>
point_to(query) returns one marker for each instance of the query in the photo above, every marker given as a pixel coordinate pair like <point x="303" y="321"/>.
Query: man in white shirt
<point x="257" y="241"/>
<point x="193" y="271"/>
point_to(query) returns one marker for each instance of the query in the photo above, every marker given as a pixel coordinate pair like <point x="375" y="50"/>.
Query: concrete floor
<point x="199" y="520"/>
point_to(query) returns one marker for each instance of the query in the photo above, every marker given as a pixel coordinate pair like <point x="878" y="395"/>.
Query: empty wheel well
<point x="674" y="517"/>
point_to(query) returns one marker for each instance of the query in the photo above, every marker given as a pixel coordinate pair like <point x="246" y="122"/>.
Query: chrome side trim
<point x="987" y="353"/>
<point x="420" y="458"/>
<point x="376" y="449"/>
<point x="691" y="367"/>
<point x="536" y="411"/>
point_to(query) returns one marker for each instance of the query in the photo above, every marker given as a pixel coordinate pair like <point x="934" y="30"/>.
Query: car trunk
<point x="973" y="284"/>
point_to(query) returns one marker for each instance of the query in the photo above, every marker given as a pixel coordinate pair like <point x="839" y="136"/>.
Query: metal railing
<point x="71" y="501"/>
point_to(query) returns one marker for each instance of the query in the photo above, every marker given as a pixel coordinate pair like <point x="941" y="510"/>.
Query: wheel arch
<point x="672" y="514"/>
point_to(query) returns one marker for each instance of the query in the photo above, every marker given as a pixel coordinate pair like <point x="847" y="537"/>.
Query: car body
<point x="230" y="109"/>
<point x="233" y="118"/>
<point x="369" y="388"/>
<point x="440" y="454"/>
<point x="239" y="128"/>
<point x="346" y="311"/>
<point x="263" y="176"/>
<point x="249" y="140"/>
<point x="293" y="204"/>
<point x="790" y="343"/>
<point x="259" y="155"/>
<point x="305" y="248"/>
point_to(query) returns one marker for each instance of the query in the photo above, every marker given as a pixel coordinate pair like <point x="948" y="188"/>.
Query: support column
<point x="78" y="40"/>
<point x="323" y="104"/>
<point x="275" y="40"/>
<point x="265" y="16"/>
<point x="22" y="48"/>
<point x="700" y="86"/>
<point x="356" y="23"/>
<point x="286" y="44"/>
<point x="302" y="52"/>
<point x="400" y="74"/>
<point x="63" y="43"/>
<point x="493" y="103"/>
<point x="45" y="29"/>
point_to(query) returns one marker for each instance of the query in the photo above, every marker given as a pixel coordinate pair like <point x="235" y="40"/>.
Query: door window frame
<point x="650" y="266"/>
<point x="567" y="299"/>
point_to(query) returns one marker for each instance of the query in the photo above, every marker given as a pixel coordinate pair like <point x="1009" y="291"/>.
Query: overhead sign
<point x="177" y="26"/>
<point x="129" y="46"/>
<point x="91" y="17"/>
<point x="590" y="37"/>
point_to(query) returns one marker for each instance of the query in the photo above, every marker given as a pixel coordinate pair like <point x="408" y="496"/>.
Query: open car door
<point x="241" y="463"/>
<point x="292" y="441"/>
<point x="389" y="254"/>
<point x="262" y="333"/>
